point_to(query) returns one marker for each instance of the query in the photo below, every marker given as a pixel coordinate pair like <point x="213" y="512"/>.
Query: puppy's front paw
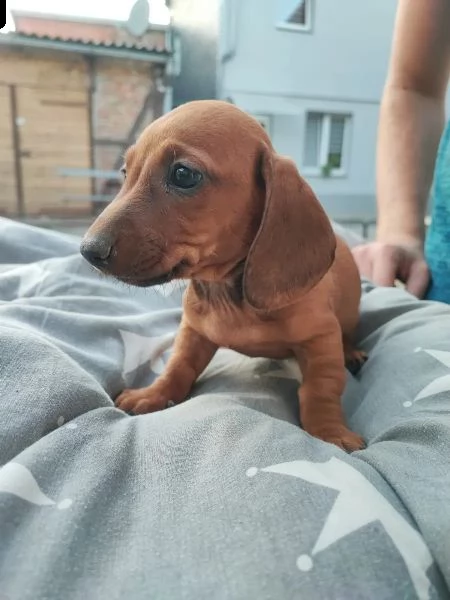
<point x="355" y="359"/>
<point x="340" y="436"/>
<point x="144" y="400"/>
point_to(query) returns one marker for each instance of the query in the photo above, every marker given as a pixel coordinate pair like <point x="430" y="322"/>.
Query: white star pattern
<point x="227" y="360"/>
<point x="30" y="285"/>
<point x="441" y="384"/>
<point x="141" y="349"/>
<point x="288" y="369"/>
<point x="168" y="289"/>
<point x="358" y="504"/>
<point x="17" y="480"/>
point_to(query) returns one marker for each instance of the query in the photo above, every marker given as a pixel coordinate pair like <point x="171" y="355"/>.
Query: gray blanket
<point x="223" y="496"/>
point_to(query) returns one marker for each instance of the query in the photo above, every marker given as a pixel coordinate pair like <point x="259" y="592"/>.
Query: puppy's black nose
<point x="96" y="250"/>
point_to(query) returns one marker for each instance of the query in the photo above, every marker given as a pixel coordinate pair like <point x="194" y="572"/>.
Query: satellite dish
<point x="137" y="23"/>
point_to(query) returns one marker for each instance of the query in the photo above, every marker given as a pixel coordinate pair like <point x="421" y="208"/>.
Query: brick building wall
<point x="106" y="101"/>
<point x="126" y="97"/>
<point x="45" y="102"/>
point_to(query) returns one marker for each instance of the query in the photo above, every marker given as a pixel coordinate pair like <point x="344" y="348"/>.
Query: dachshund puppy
<point x="206" y="198"/>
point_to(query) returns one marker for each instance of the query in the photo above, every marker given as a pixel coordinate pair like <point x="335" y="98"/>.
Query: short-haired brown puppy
<point x="205" y="197"/>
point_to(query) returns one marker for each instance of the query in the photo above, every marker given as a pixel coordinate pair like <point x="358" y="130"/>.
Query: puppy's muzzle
<point x="97" y="251"/>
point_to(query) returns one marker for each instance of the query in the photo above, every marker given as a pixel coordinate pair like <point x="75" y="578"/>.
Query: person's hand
<point x="384" y="263"/>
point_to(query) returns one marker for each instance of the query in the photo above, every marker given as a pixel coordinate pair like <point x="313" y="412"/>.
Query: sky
<point x="101" y="9"/>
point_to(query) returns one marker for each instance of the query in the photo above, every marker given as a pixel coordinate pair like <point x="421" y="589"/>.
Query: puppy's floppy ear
<point x="295" y="244"/>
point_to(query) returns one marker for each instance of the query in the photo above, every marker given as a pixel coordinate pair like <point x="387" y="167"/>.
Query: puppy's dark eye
<point x="124" y="172"/>
<point x="184" y="177"/>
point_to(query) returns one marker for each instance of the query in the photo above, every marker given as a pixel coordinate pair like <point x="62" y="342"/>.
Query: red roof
<point x="88" y="31"/>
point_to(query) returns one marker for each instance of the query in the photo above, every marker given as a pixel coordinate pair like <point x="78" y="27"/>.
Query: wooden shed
<point x="73" y="96"/>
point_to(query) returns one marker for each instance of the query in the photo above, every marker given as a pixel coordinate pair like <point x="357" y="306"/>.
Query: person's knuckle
<point x="387" y="252"/>
<point x="360" y="253"/>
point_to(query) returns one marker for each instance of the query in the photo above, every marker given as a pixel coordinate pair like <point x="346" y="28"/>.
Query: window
<point x="264" y="121"/>
<point x="325" y="144"/>
<point x="295" y="15"/>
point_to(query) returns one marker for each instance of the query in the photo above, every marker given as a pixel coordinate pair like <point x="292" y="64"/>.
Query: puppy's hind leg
<point x="354" y="358"/>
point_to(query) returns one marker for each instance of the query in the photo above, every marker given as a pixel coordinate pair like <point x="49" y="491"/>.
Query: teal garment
<point x="437" y="244"/>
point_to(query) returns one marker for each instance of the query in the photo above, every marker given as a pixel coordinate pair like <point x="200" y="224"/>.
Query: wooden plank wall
<point x="53" y="124"/>
<point x="8" y="201"/>
<point x="55" y="135"/>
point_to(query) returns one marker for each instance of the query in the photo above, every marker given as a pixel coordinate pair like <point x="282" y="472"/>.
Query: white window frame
<point x="264" y="120"/>
<point x="325" y="144"/>
<point x="294" y="27"/>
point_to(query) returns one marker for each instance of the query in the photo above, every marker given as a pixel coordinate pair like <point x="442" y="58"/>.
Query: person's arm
<point x="412" y="118"/>
<point x="410" y="126"/>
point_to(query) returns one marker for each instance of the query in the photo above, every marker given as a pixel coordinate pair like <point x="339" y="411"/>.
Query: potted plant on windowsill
<point x="334" y="162"/>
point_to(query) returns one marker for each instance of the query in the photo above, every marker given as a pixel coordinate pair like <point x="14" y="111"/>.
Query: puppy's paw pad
<point x="141" y="401"/>
<point x="350" y="442"/>
<point x="342" y="438"/>
<point x="355" y="359"/>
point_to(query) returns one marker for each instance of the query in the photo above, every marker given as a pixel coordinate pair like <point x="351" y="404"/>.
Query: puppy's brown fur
<point x="268" y="276"/>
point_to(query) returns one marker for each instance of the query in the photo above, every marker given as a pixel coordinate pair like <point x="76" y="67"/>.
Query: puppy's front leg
<point x="191" y="355"/>
<point x="323" y="368"/>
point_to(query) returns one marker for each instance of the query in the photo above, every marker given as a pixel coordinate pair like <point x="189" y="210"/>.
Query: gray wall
<point x="233" y="49"/>
<point x="338" y="66"/>
<point x="345" y="54"/>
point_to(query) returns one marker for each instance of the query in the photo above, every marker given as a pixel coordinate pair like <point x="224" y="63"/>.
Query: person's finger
<point x="418" y="279"/>
<point x="385" y="267"/>
<point x="363" y="259"/>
